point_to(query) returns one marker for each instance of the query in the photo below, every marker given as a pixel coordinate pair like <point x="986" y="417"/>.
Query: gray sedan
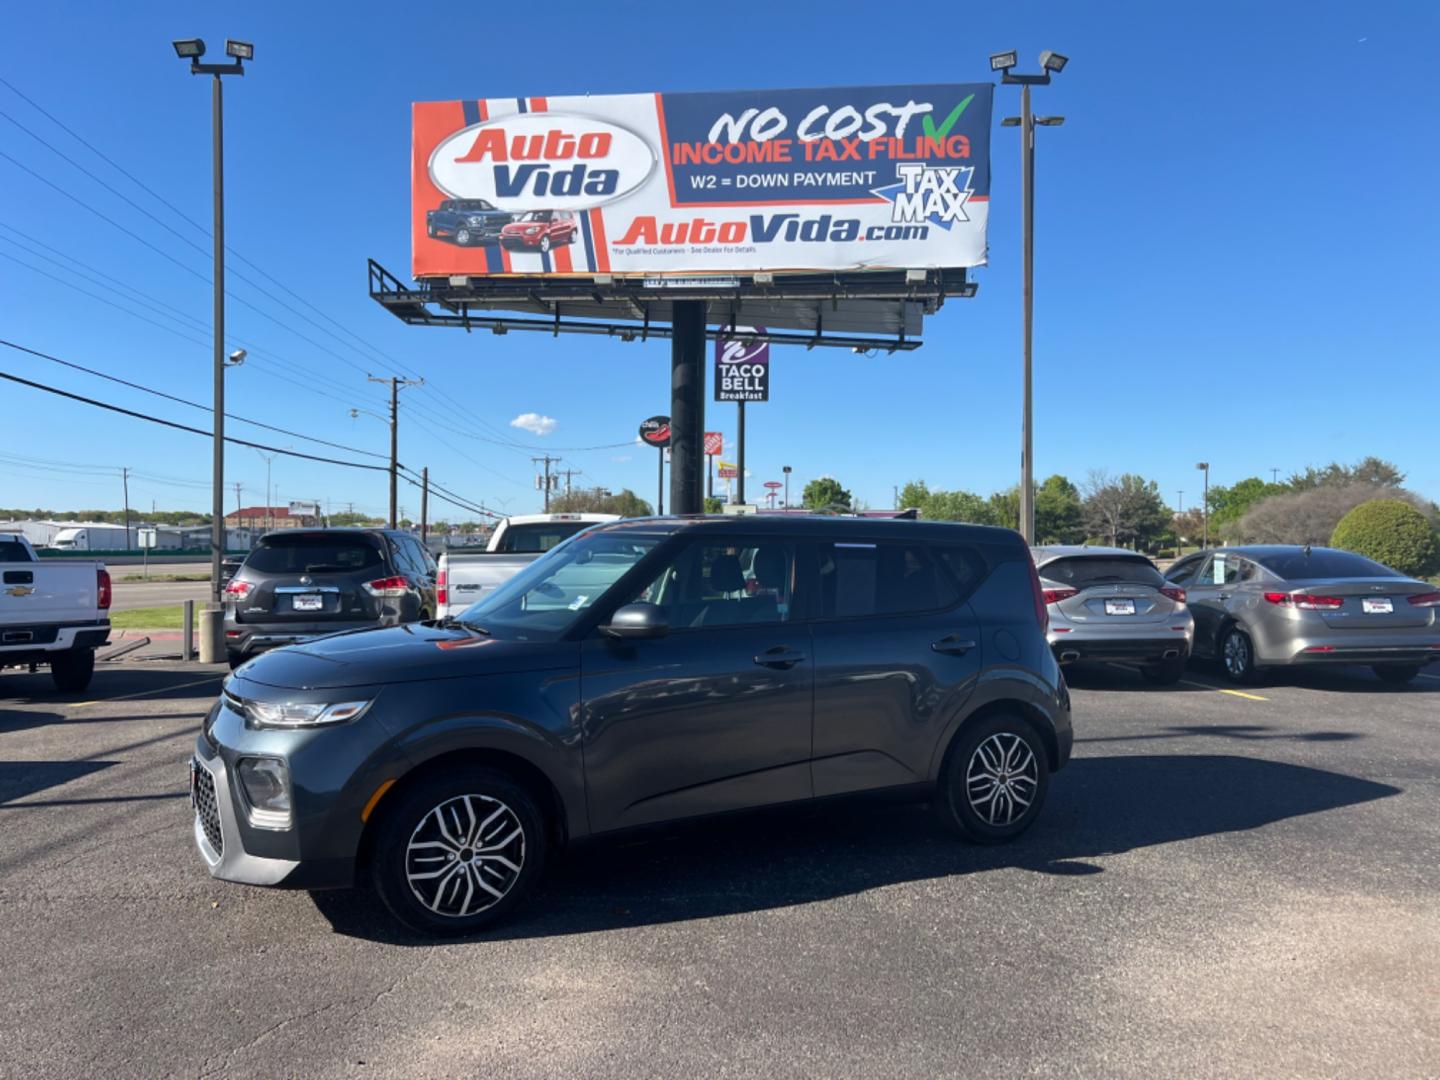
<point x="1276" y="606"/>
<point x="1112" y="604"/>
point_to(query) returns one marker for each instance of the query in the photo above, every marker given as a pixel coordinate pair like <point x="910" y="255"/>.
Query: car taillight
<point x="1174" y="592"/>
<point x="102" y="587"/>
<point x="1425" y="599"/>
<point x="442" y="587"/>
<point x="1316" y="603"/>
<point x="1042" y="614"/>
<point x="238" y="590"/>
<point x="1281" y="598"/>
<point x="1054" y="596"/>
<point x="387" y="586"/>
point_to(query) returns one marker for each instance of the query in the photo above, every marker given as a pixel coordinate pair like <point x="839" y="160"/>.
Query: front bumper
<point x="511" y="241"/>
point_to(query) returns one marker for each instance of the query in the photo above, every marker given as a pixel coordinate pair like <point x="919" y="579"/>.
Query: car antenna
<point x="1306" y="550"/>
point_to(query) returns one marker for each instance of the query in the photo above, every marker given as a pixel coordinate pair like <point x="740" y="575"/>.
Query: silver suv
<point x="1112" y="604"/>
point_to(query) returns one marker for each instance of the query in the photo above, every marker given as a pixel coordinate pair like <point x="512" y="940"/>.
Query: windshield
<point x="1085" y="570"/>
<point x="1322" y="563"/>
<point x="534" y="215"/>
<point x="542" y="601"/>
<point x="539" y="536"/>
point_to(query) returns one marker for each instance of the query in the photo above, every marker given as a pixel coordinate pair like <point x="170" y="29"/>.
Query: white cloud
<point x="535" y="423"/>
<point x="621" y="459"/>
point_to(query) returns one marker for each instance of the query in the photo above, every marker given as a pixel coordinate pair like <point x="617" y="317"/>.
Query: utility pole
<point x="395" y="384"/>
<point x="546" y="484"/>
<point x="1204" y="466"/>
<point x="125" y="479"/>
<point x="895" y="496"/>
<point x="568" y="474"/>
<point x="1274" y="476"/>
<point x="424" y="502"/>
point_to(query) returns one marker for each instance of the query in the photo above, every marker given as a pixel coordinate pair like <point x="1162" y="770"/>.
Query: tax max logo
<point x="931" y="193"/>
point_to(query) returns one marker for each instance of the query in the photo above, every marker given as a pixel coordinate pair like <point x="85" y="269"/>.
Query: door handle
<point x="779" y="657"/>
<point x="1222" y="596"/>
<point x="953" y="645"/>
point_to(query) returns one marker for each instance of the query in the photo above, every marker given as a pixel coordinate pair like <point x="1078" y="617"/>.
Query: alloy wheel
<point x="465" y="855"/>
<point x="1002" y="779"/>
<point x="1237" y="654"/>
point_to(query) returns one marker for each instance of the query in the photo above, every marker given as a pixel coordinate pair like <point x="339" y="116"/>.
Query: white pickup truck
<point x="466" y="576"/>
<point x="55" y="612"/>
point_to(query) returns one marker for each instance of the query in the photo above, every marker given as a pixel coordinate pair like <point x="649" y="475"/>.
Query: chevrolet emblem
<point x="20" y="590"/>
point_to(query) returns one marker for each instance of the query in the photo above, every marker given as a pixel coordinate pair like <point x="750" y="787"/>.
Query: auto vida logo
<point x="542" y="161"/>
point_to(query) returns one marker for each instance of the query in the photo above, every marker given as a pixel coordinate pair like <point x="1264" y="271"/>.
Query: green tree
<point x="1126" y="510"/>
<point x="825" y="494"/>
<point x="714" y="506"/>
<point x="599" y="501"/>
<point x="963" y="506"/>
<point x="1005" y="508"/>
<point x="916" y="493"/>
<point x="1391" y="532"/>
<point x="1229" y="504"/>
<point x="1368" y="470"/>
<point x="1059" y="517"/>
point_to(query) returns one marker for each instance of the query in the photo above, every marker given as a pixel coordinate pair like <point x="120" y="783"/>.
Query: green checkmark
<point x="938" y="134"/>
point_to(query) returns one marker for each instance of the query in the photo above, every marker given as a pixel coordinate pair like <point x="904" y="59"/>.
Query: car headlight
<point x="302" y="714"/>
<point x="476" y="221"/>
<point x="267" y="790"/>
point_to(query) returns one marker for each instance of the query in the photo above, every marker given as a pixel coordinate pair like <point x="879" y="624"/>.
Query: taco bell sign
<point x="742" y="370"/>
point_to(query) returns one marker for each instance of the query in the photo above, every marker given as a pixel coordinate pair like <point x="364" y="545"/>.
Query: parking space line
<point x="147" y="693"/>
<point x="1223" y="690"/>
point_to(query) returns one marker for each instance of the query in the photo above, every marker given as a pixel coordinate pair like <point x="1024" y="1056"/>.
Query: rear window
<point x="539" y="536"/>
<point x="1322" y="563"/>
<point x="13" y="551"/>
<point x="1082" y="571"/>
<point x="314" y="554"/>
<point x="860" y="579"/>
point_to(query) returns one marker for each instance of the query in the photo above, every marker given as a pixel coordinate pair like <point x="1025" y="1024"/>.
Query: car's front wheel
<point x="545" y="245"/>
<point x="1237" y="656"/>
<point x="1397" y="674"/>
<point x="462" y="237"/>
<point x="458" y="852"/>
<point x="71" y="671"/>
<point x="994" y="780"/>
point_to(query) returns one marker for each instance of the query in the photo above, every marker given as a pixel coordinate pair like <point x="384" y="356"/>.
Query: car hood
<point x="413" y="653"/>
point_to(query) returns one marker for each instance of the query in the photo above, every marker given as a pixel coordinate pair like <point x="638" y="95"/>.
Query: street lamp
<point x="786" y="470"/>
<point x="1027" y="122"/>
<point x="1204" y="466"/>
<point x="193" y="49"/>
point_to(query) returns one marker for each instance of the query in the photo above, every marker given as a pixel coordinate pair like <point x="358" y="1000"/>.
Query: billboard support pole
<point x="660" y="486"/>
<point x="687" y="406"/>
<point x="709" y="476"/>
<point x="740" y="459"/>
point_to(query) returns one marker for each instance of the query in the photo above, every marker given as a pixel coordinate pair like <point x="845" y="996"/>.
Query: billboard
<point x="714" y="443"/>
<point x="849" y="178"/>
<point x="742" y="370"/>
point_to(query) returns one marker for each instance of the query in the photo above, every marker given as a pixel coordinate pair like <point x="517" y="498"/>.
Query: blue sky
<point x="1236" y="236"/>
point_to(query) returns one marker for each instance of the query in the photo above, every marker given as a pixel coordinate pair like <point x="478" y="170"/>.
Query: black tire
<point x="512" y="870"/>
<point x="73" y="670"/>
<point x="462" y="237"/>
<point x="545" y="245"/>
<point x="1164" y="672"/>
<point x="1237" y="657"/>
<point x="1396" y="674"/>
<point x="993" y="746"/>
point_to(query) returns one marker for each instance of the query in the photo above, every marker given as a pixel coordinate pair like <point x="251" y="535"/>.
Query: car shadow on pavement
<point x="21" y="778"/>
<point x="1124" y="677"/>
<point x="1242" y="732"/>
<point x="1099" y="806"/>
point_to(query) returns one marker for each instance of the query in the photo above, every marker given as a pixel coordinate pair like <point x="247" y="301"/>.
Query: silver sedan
<point x="1270" y="606"/>
<point x="1112" y="604"/>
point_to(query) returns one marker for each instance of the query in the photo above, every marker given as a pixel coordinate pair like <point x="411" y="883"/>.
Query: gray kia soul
<point x="643" y="671"/>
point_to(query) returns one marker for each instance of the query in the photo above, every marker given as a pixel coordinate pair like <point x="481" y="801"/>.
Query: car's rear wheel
<point x="1164" y="672"/>
<point x="71" y="671"/>
<point x="1237" y="656"/>
<point x="994" y="780"/>
<point x="545" y="245"/>
<point x="458" y="852"/>
<point x="462" y="237"/>
<point x="1398" y="674"/>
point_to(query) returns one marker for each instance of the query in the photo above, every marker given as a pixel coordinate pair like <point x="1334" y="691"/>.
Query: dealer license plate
<point x="1119" y="607"/>
<point x="1379" y="605"/>
<point x="307" y="602"/>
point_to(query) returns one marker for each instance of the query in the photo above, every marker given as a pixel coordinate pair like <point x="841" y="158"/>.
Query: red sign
<point x="714" y="443"/>
<point x="774" y="485"/>
<point x="728" y="472"/>
<point x="656" y="432"/>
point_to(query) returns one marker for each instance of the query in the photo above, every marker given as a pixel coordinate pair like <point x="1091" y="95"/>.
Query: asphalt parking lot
<point x="1221" y="885"/>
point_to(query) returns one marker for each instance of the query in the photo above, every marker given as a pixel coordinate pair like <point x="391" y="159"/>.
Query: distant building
<point x="270" y="517"/>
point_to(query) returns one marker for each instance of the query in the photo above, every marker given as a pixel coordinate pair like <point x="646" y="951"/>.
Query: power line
<point x="185" y="427"/>
<point x="184" y="401"/>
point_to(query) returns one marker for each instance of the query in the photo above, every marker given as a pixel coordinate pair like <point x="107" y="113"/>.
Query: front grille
<point x="208" y="808"/>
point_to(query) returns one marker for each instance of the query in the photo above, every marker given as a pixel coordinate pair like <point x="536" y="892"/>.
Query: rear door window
<point x="315" y="555"/>
<point x="13" y="551"/>
<point x="1083" y="571"/>
<point x="859" y="579"/>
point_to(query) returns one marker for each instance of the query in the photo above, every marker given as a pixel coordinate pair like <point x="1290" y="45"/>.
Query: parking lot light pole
<point x="1027" y="122"/>
<point x="786" y="470"/>
<point x="1204" y="466"/>
<point x="193" y="49"/>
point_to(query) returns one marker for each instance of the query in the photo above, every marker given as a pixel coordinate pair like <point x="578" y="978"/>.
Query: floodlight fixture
<point x="1003" y="61"/>
<point x="189" y="48"/>
<point x="245" y="50"/>
<point x="1049" y="121"/>
<point x="1010" y="121"/>
<point x="1053" y="61"/>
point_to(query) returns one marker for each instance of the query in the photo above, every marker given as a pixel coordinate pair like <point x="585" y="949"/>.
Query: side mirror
<point x="638" y="621"/>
